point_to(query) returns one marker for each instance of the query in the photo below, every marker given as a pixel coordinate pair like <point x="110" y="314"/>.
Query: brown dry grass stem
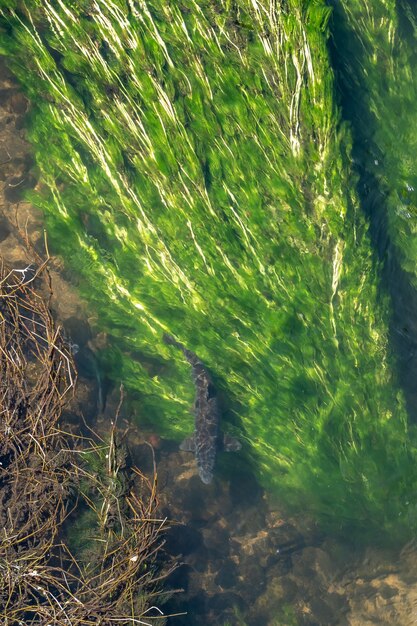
<point x="45" y="481"/>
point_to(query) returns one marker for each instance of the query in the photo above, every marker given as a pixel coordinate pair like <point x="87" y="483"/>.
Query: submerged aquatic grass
<point x="375" y="53"/>
<point x="196" y="174"/>
<point x="373" y="50"/>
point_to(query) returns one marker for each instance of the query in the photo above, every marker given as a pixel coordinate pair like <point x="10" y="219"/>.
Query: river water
<point x="227" y="174"/>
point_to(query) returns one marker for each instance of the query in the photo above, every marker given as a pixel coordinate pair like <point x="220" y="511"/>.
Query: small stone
<point x="227" y="576"/>
<point x="4" y="228"/>
<point x="182" y="539"/>
<point x="314" y="562"/>
<point x="322" y="612"/>
<point x="17" y="103"/>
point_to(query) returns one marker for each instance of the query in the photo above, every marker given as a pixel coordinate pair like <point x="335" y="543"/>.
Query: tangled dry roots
<point x="41" y="581"/>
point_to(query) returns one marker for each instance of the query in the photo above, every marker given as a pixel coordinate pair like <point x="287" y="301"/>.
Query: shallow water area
<point x="192" y="208"/>
<point x="244" y="560"/>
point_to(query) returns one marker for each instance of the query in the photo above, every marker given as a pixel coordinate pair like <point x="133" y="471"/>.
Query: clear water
<point x="228" y="174"/>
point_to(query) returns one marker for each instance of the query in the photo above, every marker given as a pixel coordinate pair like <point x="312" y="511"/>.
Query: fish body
<point x="206" y="439"/>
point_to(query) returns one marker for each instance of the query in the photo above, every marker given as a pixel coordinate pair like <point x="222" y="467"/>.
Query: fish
<point x="207" y="439"/>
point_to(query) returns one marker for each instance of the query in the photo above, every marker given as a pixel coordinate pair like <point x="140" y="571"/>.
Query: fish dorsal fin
<point x="231" y="444"/>
<point x="188" y="445"/>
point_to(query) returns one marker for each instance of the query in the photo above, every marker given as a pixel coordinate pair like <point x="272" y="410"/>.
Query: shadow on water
<point x="346" y="49"/>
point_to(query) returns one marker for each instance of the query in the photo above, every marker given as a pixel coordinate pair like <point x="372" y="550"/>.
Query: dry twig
<point x="41" y="581"/>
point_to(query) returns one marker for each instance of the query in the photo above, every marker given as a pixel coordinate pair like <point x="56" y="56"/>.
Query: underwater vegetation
<point x="196" y="174"/>
<point x="374" y="56"/>
<point x="375" y="50"/>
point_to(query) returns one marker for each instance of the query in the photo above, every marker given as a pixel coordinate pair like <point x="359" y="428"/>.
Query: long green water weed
<point x="197" y="175"/>
<point x="376" y="60"/>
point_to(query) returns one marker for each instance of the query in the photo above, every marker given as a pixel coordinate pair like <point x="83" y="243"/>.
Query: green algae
<point x="373" y="49"/>
<point x="197" y="176"/>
